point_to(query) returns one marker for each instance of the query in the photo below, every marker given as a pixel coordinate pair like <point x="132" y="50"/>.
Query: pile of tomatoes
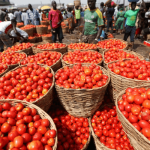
<point x="73" y="132"/>
<point x="31" y="37"/>
<point x="3" y="67"/>
<point x="115" y="54"/>
<point x="51" y="46"/>
<point x="81" y="77"/>
<point x="134" y="69"/>
<point x="41" y="26"/>
<point x="47" y="57"/>
<point x="20" y="24"/>
<point x="19" y="47"/>
<point x="23" y="129"/>
<point x="11" y="58"/>
<point x="80" y="46"/>
<point x="83" y="57"/>
<point x="26" y="83"/>
<point x="28" y="27"/>
<point x="109" y="130"/>
<point x="111" y="43"/>
<point x="47" y="35"/>
<point x="37" y="35"/>
<point x="135" y="106"/>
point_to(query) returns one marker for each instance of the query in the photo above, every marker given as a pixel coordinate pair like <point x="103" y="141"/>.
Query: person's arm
<point x="61" y="19"/>
<point x="143" y="5"/>
<point x="50" y="21"/>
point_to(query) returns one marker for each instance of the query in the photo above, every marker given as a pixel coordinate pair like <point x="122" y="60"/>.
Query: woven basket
<point x="103" y="49"/>
<point x="32" y="40"/>
<point x="98" y="144"/>
<point x="49" y="39"/>
<point x="38" y="39"/>
<point x="137" y="139"/>
<point x="127" y="51"/>
<point x="119" y="83"/>
<point x="61" y="50"/>
<point x="5" y="71"/>
<point x="65" y="30"/>
<point x="40" y="112"/>
<point x="27" y="51"/>
<point x="29" y="31"/>
<point x="44" y="23"/>
<point x="41" y="30"/>
<point x="82" y="102"/>
<point x="45" y="101"/>
<point x="64" y="63"/>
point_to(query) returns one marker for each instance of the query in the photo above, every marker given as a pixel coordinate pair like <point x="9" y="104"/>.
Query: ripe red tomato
<point x="18" y="141"/>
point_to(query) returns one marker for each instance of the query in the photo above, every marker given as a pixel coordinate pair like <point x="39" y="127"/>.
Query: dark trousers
<point x="130" y="31"/>
<point x="58" y="31"/>
<point x="109" y="24"/>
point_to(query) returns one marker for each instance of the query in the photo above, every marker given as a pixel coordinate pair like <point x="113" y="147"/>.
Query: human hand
<point x="59" y="22"/>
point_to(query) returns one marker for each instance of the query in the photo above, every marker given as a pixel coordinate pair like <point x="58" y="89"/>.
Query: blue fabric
<point x="17" y="14"/>
<point x="103" y="34"/>
<point x="33" y="16"/>
<point x="58" y="31"/>
<point x="110" y="13"/>
<point x="109" y="24"/>
<point x="82" y="14"/>
<point x="130" y="31"/>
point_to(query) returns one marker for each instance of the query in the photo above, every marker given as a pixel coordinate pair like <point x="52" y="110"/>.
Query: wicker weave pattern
<point x="137" y="139"/>
<point x="82" y="102"/>
<point x="29" y="31"/>
<point x="28" y="51"/>
<point x="120" y="83"/>
<point x="71" y="50"/>
<point x="64" y="63"/>
<point x="42" y="114"/>
<point x="41" y="30"/>
<point x="127" y="51"/>
<point x="45" y="101"/>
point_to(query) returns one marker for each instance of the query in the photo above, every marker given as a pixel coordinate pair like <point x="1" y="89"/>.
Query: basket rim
<point x="117" y="108"/>
<point x="82" y="51"/>
<point x="20" y="66"/>
<point x="37" y="108"/>
<point x="128" y="51"/>
<point x="115" y="39"/>
<point x="45" y="64"/>
<point x="86" y="64"/>
<point x="111" y="72"/>
<point x="5" y="70"/>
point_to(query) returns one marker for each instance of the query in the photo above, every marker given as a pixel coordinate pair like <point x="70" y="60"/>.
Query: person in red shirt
<point x="56" y="18"/>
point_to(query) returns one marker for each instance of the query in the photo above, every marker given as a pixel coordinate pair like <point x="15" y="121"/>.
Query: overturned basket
<point x="45" y="101"/>
<point x="64" y="63"/>
<point x="82" y="102"/>
<point x="40" y="112"/>
<point x="127" y="51"/>
<point x="137" y="139"/>
<point x="61" y="50"/>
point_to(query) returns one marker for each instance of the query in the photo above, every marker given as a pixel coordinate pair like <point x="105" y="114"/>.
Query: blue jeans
<point x="130" y="31"/>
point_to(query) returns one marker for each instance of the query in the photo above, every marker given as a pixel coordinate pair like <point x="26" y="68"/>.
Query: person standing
<point x="33" y="15"/>
<point x="24" y="17"/>
<point x="55" y="18"/>
<point x="17" y="15"/>
<point x="77" y="15"/>
<point x="131" y="16"/>
<point x="93" y="23"/>
<point x="2" y="15"/>
<point x="109" y="14"/>
<point x="120" y="20"/>
<point x="70" y="20"/>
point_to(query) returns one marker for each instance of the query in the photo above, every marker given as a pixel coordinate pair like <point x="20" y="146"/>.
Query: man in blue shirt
<point x="17" y="15"/>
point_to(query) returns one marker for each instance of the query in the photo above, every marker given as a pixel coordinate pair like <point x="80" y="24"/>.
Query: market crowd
<point x="133" y="21"/>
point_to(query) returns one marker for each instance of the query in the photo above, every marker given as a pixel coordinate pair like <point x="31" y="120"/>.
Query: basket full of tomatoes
<point x="133" y="109"/>
<point x="26" y="126"/>
<point x="128" y="73"/>
<point x="107" y="130"/>
<point x="23" y="47"/>
<point x="47" y="37"/>
<point x="29" y="29"/>
<point x="111" y="43"/>
<point x="81" y="56"/>
<point x="32" y="39"/>
<point x="32" y="83"/>
<point x="114" y="54"/>
<point x="58" y="47"/>
<point x="49" y="58"/>
<point x="11" y="59"/>
<point x="81" y="88"/>
<point x="81" y="46"/>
